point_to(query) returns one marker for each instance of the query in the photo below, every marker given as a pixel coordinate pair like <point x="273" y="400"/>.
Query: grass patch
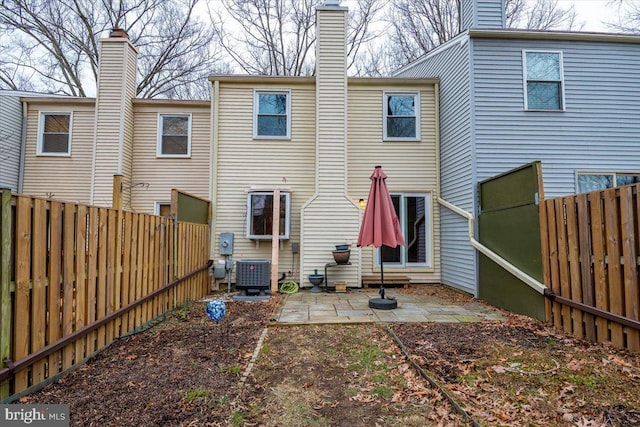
<point x="196" y="395"/>
<point x="232" y="369"/>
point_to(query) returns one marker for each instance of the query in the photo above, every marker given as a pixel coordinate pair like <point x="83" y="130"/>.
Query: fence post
<point x="6" y="313"/>
<point x="116" y="198"/>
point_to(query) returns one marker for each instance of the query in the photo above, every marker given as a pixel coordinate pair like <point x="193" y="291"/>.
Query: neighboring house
<point x="74" y="146"/>
<point x="314" y="139"/>
<point x="10" y="139"/>
<point x="509" y="97"/>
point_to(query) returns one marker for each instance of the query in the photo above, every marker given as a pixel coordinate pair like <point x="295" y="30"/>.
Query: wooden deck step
<point x="394" y="281"/>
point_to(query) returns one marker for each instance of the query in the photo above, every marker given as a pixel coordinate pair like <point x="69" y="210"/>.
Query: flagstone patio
<point x="305" y="307"/>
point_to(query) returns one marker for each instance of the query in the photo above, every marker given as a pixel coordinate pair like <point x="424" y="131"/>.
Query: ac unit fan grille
<point x="253" y="274"/>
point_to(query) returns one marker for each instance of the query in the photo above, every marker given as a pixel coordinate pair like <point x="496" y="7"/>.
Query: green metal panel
<point x="192" y="209"/>
<point x="514" y="188"/>
<point x="509" y="225"/>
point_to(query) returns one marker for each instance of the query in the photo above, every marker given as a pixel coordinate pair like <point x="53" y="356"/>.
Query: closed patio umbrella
<point x="380" y="227"/>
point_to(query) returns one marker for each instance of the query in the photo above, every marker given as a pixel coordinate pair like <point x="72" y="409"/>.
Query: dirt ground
<point x="188" y="371"/>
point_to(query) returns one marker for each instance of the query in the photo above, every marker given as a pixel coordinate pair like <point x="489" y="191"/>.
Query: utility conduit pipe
<point x="533" y="283"/>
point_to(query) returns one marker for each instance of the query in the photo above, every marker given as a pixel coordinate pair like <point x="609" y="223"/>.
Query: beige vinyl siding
<point x="112" y="105"/>
<point x="411" y="166"/>
<point x="154" y="177"/>
<point x="332" y="106"/>
<point x="60" y="177"/>
<point x="244" y="162"/>
<point x="127" y="148"/>
<point x="331" y="218"/>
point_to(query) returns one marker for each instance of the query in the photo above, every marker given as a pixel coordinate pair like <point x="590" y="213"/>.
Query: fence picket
<point x="68" y="248"/>
<point x="92" y="276"/>
<point x="101" y="297"/>
<point x="140" y="268"/>
<point x="585" y="263"/>
<point x="126" y="267"/>
<point x="38" y="290"/>
<point x="599" y="270"/>
<point x="630" y="291"/>
<point x="611" y="210"/>
<point x="574" y="264"/>
<point x="54" y="326"/>
<point x="563" y="263"/>
<point x="23" y="283"/>
<point x="553" y="260"/>
<point x="81" y="279"/>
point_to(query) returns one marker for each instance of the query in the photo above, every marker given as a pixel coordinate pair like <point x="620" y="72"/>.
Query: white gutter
<point x="533" y="283"/>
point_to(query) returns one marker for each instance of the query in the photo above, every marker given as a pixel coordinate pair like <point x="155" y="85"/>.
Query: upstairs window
<point x="401" y="116"/>
<point x="174" y="135"/>
<point x="55" y="134"/>
<point x="272" y="114"/>
<point x="543" y="80"/>
<point x="260" y="215"/>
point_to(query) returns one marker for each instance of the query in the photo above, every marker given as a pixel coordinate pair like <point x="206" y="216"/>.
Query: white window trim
<point x="525" y="80"/>
<point x="385" y="96"/>
<point x="613" y="174"/>
<point x="39" y="151"/>
<point x="428" y="234"/>
<point x="159" y="136"/>
<point x="156" y="207"/>
<point x="256" y="105"/>
<point x="287" y="230"/>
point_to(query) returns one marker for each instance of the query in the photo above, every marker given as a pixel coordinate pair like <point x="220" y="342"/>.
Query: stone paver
<point x="353" y="307"/>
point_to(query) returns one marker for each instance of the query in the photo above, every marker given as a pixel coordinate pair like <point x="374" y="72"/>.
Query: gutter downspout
<point x="530" y="281"/>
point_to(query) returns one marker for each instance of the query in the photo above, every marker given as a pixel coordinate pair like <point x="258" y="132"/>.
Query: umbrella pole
<point x="381" y="291"/>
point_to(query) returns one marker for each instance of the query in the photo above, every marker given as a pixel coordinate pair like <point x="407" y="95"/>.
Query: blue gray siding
<point x="451" y="65"/>
<point x="599" y="131"/>
<point x="482" y="14"/>
<point x="10" y="140"/>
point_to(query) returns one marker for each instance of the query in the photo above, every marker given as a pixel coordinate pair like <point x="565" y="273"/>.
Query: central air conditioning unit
<point x="253" y="276"/>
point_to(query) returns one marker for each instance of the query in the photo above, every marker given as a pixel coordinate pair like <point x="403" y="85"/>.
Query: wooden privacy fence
<point x="74" y="277"/>
<point x="590" y="253"/>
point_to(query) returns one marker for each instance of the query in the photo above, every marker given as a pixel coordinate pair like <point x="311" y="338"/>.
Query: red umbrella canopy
<point x="380" y="225"/>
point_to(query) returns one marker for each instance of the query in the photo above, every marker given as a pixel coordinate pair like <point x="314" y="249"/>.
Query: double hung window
<point x="54" y="137"/>
<point x="543" y="81"/>
<point x="401" y="119"/>
<point x="272" y="114"/>
<point x="174" y="135"/>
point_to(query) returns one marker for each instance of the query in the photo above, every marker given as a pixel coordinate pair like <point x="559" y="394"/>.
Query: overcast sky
<point x="593" y="12"/>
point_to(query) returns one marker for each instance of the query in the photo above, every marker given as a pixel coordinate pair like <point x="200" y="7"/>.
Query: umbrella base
<point x="383" y="304"/>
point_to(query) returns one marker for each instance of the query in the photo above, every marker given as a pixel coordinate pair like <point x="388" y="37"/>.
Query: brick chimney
<point x="113" y="138"/>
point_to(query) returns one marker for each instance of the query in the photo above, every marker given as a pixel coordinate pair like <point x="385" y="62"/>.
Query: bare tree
<point x="540" y="15"/>
<point x="277" y="37"/>
<point x="421" y="25"/>
<point x="628" y="16"/>
<point x="56" y="43"/>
